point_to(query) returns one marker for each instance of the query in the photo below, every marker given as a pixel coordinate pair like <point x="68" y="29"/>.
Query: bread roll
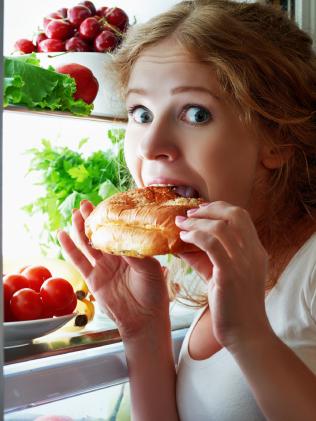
<point x="140" y="222"/>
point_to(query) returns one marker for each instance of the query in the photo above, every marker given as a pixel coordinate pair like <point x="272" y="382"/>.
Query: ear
<point x="273" y="157"/>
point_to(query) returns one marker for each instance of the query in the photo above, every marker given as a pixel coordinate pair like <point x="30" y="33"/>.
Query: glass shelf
<point x="99" y="332"/>
<point x="91" y="117"/>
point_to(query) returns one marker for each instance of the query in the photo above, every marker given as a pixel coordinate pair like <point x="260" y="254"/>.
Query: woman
<point x="221" y="99"/>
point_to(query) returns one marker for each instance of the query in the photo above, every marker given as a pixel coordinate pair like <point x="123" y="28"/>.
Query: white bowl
<point x="107" y="102"/>
<point x="18" y="333"/>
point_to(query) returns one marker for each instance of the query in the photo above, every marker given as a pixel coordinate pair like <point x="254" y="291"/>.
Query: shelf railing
<point x="92" y="117"/>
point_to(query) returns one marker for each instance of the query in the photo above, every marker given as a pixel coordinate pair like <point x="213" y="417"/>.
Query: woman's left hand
<point x="234" y="262"/>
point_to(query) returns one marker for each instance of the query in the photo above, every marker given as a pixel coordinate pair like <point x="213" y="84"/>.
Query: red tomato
<point x="8" y="316"/>
<point x="67" y="310"/>
<point x="23" y="268"/>
<point x="14" y="282"/>
<point x="36" y="275"/>
<point x="47" y="312"/>
<point x="26" y="304"/>
<point x="57" y="293"/>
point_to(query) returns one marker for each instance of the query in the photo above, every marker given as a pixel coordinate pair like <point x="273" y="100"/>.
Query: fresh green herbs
<point x="68" y="177"/>
<point x="28" y="84"/>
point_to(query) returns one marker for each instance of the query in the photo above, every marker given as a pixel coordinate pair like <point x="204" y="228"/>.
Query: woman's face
<point x="181" y="131"/>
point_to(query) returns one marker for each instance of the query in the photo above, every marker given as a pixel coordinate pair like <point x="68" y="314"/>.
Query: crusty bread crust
<point x="140" y="222"/>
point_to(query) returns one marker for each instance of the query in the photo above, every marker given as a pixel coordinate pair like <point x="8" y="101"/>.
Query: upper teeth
<point x="162" y="185"/>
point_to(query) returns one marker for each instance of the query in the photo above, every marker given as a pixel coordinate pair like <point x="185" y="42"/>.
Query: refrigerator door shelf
<point x="45" y="380"/>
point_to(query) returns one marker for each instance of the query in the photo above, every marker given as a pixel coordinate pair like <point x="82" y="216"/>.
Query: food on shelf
<point x="85" y="312"/>
<point x="15" y="281"/>
<point x="58" y="296"/>
<point x="77" y="14"/>
<point x="96" y="30"/>
<point x="76" y="44"/>
<point x="52" y="90"/>
<point x="36" y="275"/>
<point x="36" y="294"/>
<point x="51" y="46"/>
<point x="105" y="41"/>
<point x="25" y="45"/>
<point x="68" y="176"/>
<point x="86" y="84"/>
<point x="11" y="284"/>
<point x="141" y="222"/>
<point x="26" y="304"/>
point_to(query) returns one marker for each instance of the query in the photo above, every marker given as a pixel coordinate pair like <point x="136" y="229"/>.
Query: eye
<point x="140" y="114"/>
<point x="195" y="114"/>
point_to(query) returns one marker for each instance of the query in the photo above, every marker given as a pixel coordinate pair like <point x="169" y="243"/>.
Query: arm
<point x="152" y="376"/>
<point x="235" y="265"/>
<point x="134" y="294"/>
<point x="283" y="386"/>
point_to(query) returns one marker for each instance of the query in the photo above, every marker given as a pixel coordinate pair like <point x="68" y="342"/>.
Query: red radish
<point x="24" y="46"/>
<point x="63" y="11"/>
<point x="89" y="28"/>
<point x="78" y="14"/>
<point x="90" y="6"/>
<point x="102" y="11"/>
<point x="106" y="41"/>
<point x="50" y="17"/>
<point x="117" y="17"/>
<point x="77" y="44"/>
<point x="51" y="46"/>
<point x="59" y="29"/>
<point x="39" y="38"/>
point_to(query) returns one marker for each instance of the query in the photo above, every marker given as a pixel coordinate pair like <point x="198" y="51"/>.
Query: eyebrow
<point x="177" y="90"/>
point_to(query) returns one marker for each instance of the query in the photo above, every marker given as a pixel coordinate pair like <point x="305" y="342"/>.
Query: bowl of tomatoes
<point x="35" y="304"/>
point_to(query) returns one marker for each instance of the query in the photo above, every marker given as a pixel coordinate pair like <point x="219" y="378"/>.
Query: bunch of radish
<point x="81" y="28"/>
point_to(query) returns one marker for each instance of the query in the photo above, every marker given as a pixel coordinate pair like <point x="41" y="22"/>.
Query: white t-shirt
<point x="215" y="389"/>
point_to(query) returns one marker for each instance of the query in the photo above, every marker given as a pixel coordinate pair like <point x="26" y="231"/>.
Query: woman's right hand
<point x="132" y="291"/>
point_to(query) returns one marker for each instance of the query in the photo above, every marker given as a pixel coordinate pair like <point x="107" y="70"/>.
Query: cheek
<point x="132" y="160"/>
<point x="227" y="168"/>
<point x="130" y="156"/>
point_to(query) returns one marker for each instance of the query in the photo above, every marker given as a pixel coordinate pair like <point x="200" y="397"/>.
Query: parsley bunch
<point x="68" y="177"/>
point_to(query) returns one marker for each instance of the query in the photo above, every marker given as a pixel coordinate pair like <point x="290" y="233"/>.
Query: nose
<point x="158" y="143"/>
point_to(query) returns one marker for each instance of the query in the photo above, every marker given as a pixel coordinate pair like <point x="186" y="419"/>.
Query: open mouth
<point x="183" y="190"/>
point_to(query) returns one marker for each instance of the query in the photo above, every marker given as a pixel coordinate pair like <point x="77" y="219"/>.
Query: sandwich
<point x="140" y="222"/>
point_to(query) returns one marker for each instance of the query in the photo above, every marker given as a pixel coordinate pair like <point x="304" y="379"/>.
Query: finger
<point x="83" y="243"/>
<point x="200" y="262"/>
<point x="211" y="245"/>
<point x="216" y="228"/>
<point x="74" y="254"/>
<point x="236" y="217"/>
<point x="147" y="265"/>
<point x="86" y="208"/>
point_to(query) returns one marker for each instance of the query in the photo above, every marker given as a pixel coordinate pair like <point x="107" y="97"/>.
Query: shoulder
<point x="307" y="267"/>
<point x="297" y="283"/>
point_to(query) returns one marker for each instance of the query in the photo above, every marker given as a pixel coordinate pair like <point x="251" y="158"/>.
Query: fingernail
<point x="203" y="205"/>
<point x="83" y="201"/>
<point x="74" y="210"/>
<point x="180" y="218"/>
<point x="183" y="234"/>
<point x="192" y="211"/>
